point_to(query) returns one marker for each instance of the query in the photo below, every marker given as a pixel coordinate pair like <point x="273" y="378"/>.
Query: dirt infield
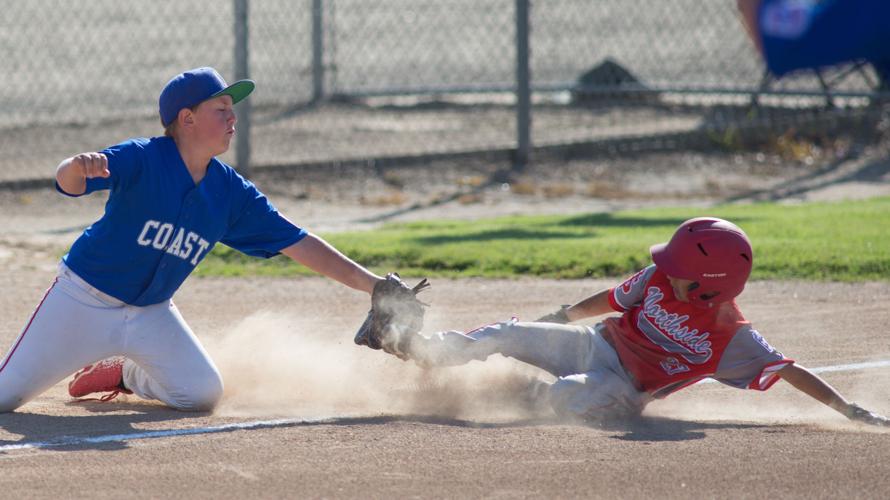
<point x="307" y="414"/>
<point x="359" y="424"/>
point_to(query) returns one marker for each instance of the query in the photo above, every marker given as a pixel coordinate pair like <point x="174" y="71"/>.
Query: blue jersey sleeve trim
<point x="66" y="193"/>
<point x="272" y="249"/>
<point x="92" y="185"/>
<point x="302" y="233"/>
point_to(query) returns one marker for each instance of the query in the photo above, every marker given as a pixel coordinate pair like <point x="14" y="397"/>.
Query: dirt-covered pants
<point x="590" y="381"/>
<point x="76" y="325"/>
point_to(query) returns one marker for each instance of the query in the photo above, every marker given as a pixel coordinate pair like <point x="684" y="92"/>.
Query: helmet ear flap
<point x="704" y="296"/>
<point x="706" y="250"/>
<point x="709" y="295"/>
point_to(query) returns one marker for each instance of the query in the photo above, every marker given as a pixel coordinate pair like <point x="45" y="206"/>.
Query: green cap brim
<point x="238" y="90"/>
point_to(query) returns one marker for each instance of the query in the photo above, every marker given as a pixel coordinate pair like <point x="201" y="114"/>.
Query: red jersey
<point x="666" y="344"/>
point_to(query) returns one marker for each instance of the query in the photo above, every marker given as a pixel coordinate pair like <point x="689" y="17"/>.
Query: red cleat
<point x="101" y="376"/>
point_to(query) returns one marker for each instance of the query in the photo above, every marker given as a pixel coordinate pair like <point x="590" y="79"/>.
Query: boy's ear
<point x="186" y="117"/>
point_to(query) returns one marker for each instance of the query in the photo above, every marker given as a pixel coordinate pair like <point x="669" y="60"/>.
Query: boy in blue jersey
<point x="797" y="34"/>
<point x="170" y="201"/>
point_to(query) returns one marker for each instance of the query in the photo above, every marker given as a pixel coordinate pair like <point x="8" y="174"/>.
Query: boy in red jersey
<point x="679" y="324"/>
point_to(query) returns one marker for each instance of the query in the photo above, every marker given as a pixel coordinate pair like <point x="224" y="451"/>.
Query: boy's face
<point x="682" y="287"/>
<point x="215" y="124"/>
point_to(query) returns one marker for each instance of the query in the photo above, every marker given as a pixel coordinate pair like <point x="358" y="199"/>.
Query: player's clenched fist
<point x="73" y="172"/>
<point x="91" y="165"/>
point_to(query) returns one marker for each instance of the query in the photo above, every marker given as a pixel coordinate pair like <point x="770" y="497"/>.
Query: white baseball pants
<point x="76" y="325"/>
<point x="591" y="383"/>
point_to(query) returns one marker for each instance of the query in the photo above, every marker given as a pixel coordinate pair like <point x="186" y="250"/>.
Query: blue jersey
<point x="158" y="224"/>
<point x="813" y="33"/>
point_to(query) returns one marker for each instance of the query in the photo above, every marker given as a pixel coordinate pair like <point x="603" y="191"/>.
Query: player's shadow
<point x="667" y="429"/>
<point x="109" y="427"/>
<point x="427" y="419"/>
<point x="639" y="429"/>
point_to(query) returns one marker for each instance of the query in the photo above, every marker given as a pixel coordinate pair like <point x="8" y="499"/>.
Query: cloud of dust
<point x="727" y="404"/>
<point x="273" y="365"/>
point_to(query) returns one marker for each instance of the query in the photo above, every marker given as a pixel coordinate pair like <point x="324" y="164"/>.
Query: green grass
<point x="844" y="241"/>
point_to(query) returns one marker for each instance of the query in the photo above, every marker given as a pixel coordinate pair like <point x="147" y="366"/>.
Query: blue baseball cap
<point x="192" y="87"/>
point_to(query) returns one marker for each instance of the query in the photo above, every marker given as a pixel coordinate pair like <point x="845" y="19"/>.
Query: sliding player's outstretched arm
<point x="811" y="384"/>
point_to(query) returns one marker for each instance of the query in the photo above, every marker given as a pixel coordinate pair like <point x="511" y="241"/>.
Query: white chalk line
<point x="287" y="422"/>
<point x="853" y="366"/>
<point x="836" y="368"/>
<point x="113" y="438"/>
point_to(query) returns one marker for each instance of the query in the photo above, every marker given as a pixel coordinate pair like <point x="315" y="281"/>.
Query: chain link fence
<point x="355" y="81"/>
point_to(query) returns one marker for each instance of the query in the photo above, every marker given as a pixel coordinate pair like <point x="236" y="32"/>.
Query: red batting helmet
<point x="712" y="252"/>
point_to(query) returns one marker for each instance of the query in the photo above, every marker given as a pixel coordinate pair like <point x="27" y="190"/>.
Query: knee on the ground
<point x="567" y="397"/>
<point x="11" y="403"/>
<point x="591" y="396"/>
<point x="204" y="397"/>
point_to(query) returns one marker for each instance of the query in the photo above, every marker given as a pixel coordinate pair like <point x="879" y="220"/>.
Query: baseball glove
<point x="395" y="316"/>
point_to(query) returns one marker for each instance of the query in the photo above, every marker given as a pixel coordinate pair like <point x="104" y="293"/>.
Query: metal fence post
<point x="523" y="86"/>
<point x="242" y="71"/>
<point x="317" y="50"/>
